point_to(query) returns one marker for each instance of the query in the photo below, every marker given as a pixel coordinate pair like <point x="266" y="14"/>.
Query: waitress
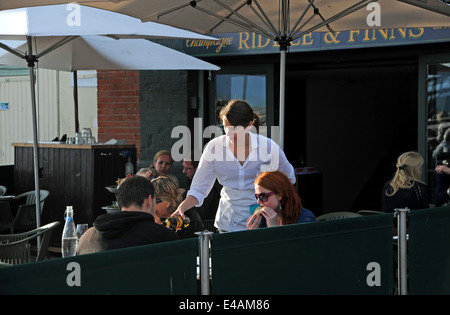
<point x="235" y="160"/>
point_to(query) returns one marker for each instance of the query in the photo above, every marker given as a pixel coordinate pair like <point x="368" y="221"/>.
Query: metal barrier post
<point x="204" y="251"/>
<point x="402" y="251"/>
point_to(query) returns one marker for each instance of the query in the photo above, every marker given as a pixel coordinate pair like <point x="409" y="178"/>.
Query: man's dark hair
<point x="134" y="190"/>
<point x="191" y="158"/>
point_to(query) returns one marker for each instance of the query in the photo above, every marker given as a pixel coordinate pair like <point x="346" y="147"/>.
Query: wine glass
<point x="81" y="228"/>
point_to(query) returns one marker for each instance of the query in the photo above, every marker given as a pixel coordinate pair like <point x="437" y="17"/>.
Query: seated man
<point x="134" y="225"/>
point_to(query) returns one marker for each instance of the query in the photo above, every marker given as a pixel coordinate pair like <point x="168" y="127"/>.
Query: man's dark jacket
<point x="123" y="229"/>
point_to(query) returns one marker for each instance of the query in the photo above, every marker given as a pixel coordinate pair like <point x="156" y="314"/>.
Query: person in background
<point x="168" y="198"/>
<point x="279" y="202"/>
<point x="208" y="209"/>
<point x="134" y="225"/>
<point x="406" y="189"/>
<point x="444" y="123"/>
<point x="441" y="155"/>
<point x="235" y="160"/>
<point x="162" y="164"/>
<point x="442" y="190"/>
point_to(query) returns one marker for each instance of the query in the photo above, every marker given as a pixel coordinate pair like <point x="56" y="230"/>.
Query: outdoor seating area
<point x="225" y="148"/>
<point x="346" y="256"/>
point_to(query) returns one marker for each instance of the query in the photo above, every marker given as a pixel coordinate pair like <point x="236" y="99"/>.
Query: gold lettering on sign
<point x="219" y="44"/>
<point x="351" y="34"/>
<point x="243" y="38"/>
<point x="415" y="35"/>
<point x="260" y="44"/>
<point x="331" y="37"/>
<point x="252" y="41"/>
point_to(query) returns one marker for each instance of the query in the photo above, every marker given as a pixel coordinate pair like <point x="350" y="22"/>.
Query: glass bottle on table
<point x="69" y="239"/>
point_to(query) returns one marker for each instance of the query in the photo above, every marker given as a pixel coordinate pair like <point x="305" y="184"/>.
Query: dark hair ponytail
<point x="256" y="121"/>
<point x="240" y="113"/>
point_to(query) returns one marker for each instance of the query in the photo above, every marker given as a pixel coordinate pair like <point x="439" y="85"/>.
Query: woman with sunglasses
<point x="279" y="202"/>
<point x="235" y="160"/>
<point x="168" y="197"/>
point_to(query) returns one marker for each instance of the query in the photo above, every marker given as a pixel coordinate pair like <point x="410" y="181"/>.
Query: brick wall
<point x="118" y="106"/>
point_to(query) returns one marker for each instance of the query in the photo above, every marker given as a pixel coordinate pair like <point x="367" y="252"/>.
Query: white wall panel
<point x="55" y="108"/>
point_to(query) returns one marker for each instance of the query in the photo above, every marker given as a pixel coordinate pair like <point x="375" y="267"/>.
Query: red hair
<point x="280" y="184"/>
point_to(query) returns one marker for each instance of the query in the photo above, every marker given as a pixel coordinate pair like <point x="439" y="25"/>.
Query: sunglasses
<point x="158" y="200"/>
<point x="264" y="196"/>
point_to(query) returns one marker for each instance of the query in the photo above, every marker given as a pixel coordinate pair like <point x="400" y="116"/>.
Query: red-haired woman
<point x="279" y="202"/>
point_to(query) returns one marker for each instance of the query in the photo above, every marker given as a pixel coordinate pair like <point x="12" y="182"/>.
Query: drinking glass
<point x="81" y="228"/>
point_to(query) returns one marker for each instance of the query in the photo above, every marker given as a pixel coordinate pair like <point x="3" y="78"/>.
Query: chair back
<point x="16" y="248"/>
<point x="26" y="214"/>
<point x="31" y="197"/>
<point x="2" y="190"/>
<point x="6" y="217"/>
<point x="370" y="212"/>
<point x="25" y="218"/>
<point x="337" y="216"/>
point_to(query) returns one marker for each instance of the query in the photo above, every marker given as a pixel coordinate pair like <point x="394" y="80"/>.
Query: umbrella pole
<point x="31" y="59"/>
<point x="75" y="100"/>
<point x="282" y="94"/>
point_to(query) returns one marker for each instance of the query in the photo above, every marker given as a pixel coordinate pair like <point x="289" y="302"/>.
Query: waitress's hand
<point x="187" y="204"/>
<point x="270" y="215"/>
<point x="253" y="221"/>
<point x="178" y="213"/>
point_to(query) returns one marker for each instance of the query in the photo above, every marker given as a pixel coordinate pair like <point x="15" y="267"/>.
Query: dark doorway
<point x="350" y="121"/>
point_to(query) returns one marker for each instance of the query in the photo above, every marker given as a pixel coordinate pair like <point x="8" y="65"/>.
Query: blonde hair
<point x="409" y="166"/>
<point x="166" y="189"/>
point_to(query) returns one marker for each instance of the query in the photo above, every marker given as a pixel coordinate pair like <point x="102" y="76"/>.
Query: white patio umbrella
<point x="65" y="24"/>
<point x="284" y="20"/>
<point x="99" y="52"/>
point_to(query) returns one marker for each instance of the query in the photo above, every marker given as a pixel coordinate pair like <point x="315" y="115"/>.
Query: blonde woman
<point x="162" y="164"/>
<point x="168" y="198"/>
<point x="406" y="189"/>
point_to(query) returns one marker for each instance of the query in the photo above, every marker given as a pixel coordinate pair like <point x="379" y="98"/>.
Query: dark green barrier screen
<point x="329" y="257"/>
<point x="164" y="268"/>
<point x="429" y="252"/>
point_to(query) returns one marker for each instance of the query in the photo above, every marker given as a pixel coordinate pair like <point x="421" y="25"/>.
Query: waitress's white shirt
<point x="238" y="192"/>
